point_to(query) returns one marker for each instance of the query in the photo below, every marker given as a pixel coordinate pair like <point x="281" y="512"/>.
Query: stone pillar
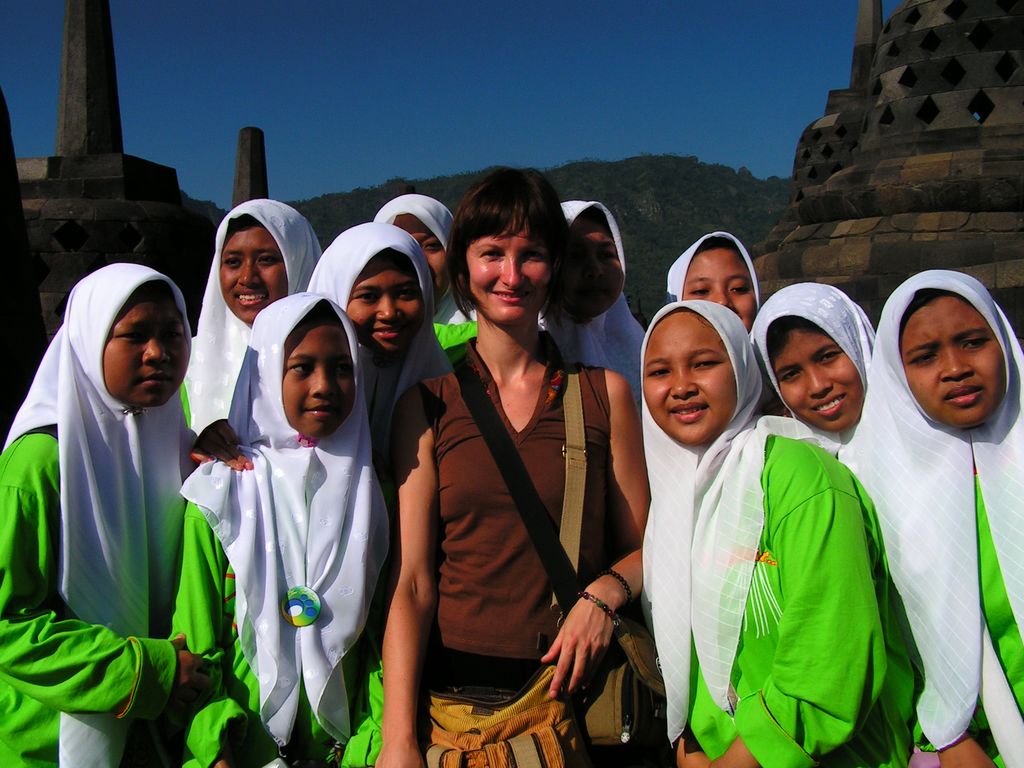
<point x="89" y="115"/>
<point x="250" y="167"/>
<point x="22" y="337"/>
<point x="869" y="26"/>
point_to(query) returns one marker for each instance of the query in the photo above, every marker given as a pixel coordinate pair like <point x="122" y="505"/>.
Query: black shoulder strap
<point x="535" y="516"/>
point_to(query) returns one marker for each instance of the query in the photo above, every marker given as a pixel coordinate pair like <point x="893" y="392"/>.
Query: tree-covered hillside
<point x="662" y="203"/>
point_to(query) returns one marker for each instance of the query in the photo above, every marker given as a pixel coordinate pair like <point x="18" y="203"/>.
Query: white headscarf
<point x="836" y="314"/>
<point x="221" y="338"/>
<point x="120" y="471"/>
<point x="612" y="339"/>
<point x="677" y="272"/>
<point x="335" y="276"/>
<point x="705" y="521"/>
<point x="438" y="219"/>
<point x="920" y="475"/>
<point x="304" y="516"/>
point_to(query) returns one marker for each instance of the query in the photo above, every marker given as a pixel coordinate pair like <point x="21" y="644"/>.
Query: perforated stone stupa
<point x="919" y="164"/>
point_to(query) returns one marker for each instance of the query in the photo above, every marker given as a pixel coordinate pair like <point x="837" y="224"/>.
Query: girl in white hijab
<point x="940" y="448"/>
<point x="611" y="338"/>
<point x="297" y="542"/>
<point x="429" y="221"/>
<point x="759" y="550"/>
<point x="820" y="341"/>
<point x="225" y="320"/>
<point x="722" y="272"/>
<point x="397" y="346"/>
<point x="90" y="477"/>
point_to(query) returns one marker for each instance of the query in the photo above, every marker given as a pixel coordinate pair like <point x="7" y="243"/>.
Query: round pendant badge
<point x="300" y="607"/>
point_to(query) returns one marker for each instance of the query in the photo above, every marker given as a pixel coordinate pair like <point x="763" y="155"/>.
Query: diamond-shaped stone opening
<point x="930" y="42"/>
<point x="812" y="174"/>
<point x="981" y="107"/>
<point x="71" y="235"/>
<point x="956" y="9"/>
<point x="894" y="50"/>
<point x="887" y="117"/>
<point x="913" y="17"/>
<point x="878" y="87"/>
<point x="806" y="154"/>
<point x="980" y="35"/>
<point x="854" y="145"/>
<point x="1006" y="5"/>
<point x="816" y="136"/>
<point x="837" y="168"/>
<point x="841" y="131"/>
<point x="908" y="78"/>
<point x="799" y="196"/>
<point x="130" y="236"/>
<point x="1006" y="66"/>
<point x="928" y="111"/>
<point x="887" y="27"/>
<point x="953" y="72"/>
<point x="827" y="151"/>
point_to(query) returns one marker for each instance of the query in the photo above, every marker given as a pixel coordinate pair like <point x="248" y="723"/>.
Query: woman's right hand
<point x="400" y="754"/>
<point x="219" y="441"/>
<point x="190" y="681"/>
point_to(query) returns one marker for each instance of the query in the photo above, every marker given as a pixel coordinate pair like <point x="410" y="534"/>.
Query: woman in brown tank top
<point x="470" y="600"/>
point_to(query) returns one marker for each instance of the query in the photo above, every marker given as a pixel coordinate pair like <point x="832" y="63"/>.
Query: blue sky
<point x="351" y="93"/>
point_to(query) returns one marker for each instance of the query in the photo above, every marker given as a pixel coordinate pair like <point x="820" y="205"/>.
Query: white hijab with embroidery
<point x="836" y="314"/>
<point x="920" y="475"/>
<point x="308" y="514"/>
<point x="221" y="338"/>
<point x="704" y="526"/>
<point x="612" y="339"/>
<point x="438" y="219"/>
<point x="677" y="272"/>
<point x="335" y="277"/>
<point x="120" y="471"/>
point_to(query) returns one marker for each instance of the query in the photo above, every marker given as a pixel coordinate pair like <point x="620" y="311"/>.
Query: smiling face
<point x="689" y="384"/>
<point x="720" y="275"/>
<point x="593" y="271"/>
<point x="252" y="273"/>
<point x="146" y="353"/>
<point x="432" y="249"/>
<point x="318" y="388"/>
<point x="509" y="277"/>
<point x="818" y="381"/>
<point x="953" y="363"/>
<point x="386" y="305"/>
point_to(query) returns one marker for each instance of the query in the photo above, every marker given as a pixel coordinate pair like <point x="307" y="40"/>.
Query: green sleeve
<point x="830" y="660"/>
<point x="199" y="614"/>
<point x="453" y="339"/>
<point x="183" y="393"/>
<point x="65" y="664"/>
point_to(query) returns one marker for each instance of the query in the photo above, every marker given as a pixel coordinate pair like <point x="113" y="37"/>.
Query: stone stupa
<point x="919" y="164"/>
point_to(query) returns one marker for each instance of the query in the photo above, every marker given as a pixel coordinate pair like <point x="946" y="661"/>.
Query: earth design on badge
<point x="300" y="607"/>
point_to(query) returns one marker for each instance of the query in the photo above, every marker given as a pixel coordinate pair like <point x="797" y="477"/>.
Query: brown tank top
<point x="494" y="597"/>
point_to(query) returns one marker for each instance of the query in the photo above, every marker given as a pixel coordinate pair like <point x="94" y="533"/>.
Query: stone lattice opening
<point x="956" y="9"/>
<point x="913" y="17"/>
<point x="130" y="236"/>
<point x="837" y="168"/>
<point x="878" y="87"/>
<point x="1006" y="66"/>
<point x="980" y="35"/>
<point x="930" y="42"/>
<point x="908" y="78"/>
<point x="827" y="151"/>
<point x="928" y="111"/>
<point x="71" y="235"/>
<point x="841" y="131"/>
<point x="812" y="174"/>
<point x="799" y="196"/>
<point x="816" y="136"/>
<point x="806" y="155"/>
<point x="887" y="117"/>
<point x="981" y="107"/>
<point x="1006" y="5"/>
<point x="894" y="50"/>
<point x="953" y="72"/>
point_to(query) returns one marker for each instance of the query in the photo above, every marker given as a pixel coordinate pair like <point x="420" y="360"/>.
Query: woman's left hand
<point x="579" y="647"/>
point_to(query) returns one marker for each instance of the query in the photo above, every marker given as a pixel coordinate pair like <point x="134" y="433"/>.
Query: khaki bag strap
<point x="435" y="756"/>
<point x="570" y="530"/>
<point x="525" y="751"/>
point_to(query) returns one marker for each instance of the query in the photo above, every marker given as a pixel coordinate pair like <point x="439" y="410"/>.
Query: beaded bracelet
<point x="608" y="611"/>
<point x="622" y="581"/>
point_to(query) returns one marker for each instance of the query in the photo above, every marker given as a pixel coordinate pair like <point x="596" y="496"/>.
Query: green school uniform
<point x="50" y="663"/>
<point x="453" y="339"/>
<point x="205" y="613"/>
<point x="821" y="674"/>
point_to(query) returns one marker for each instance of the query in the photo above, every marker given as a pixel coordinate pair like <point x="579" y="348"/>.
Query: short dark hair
<point x="781" y="328"/>
<point x="717" y="241"/>
<point x="507" y="201"/>
<point x="240" y="224"/>
<point x="921" y="298"/>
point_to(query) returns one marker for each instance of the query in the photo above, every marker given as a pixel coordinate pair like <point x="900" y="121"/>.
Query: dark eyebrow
<point x="972" y="332"/>
<point x="921" y="347"/>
